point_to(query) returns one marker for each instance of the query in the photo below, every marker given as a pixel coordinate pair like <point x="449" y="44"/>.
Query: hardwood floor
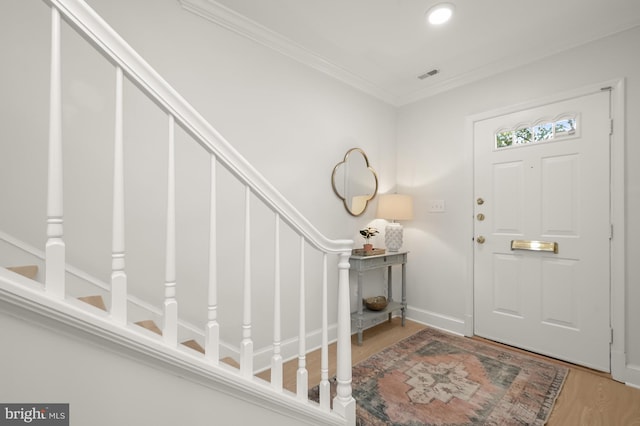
<point x="588" y="398"/>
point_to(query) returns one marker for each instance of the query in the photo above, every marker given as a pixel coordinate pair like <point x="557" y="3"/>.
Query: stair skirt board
<point x="219" y="380"/>
<point x="97" y="301"/>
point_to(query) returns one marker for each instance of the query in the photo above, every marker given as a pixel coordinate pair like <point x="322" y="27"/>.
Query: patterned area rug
<point x="435" y="378"/>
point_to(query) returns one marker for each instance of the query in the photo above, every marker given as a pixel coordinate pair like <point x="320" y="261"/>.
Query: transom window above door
<point x="542" y="131"/>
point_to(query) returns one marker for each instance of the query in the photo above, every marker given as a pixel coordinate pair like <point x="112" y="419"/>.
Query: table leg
<point x="404" y="292"/>
<point x="359" y="321"/>
<point x="389" y="288"/>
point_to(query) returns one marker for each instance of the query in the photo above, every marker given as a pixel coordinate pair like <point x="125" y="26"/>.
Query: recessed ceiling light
<point x="440" y="13"/>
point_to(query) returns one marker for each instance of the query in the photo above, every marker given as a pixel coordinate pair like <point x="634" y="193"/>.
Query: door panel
<point x="507" y="286"/>
<point x="560" y="293"/>
<point x="508" y="189"/>
<point x="560" y="182"/>
<point x="548" y="181"/>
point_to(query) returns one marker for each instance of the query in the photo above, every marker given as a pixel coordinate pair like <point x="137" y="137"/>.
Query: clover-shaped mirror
<point x="354" y="181"/>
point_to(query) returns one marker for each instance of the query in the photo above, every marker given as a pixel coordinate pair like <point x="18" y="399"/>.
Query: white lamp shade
<point x="395" y="207"/>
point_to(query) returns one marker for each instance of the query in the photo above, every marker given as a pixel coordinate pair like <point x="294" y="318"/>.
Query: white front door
<point x="542" y="229"/>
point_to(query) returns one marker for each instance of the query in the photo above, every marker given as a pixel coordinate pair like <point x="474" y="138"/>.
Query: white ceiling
<point x="381" y="46"/>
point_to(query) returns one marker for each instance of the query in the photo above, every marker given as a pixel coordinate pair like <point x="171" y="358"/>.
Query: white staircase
<point x="109" y="314"/>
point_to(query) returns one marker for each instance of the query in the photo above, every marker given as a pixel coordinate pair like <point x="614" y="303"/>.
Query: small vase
<point x="368" y="247"/>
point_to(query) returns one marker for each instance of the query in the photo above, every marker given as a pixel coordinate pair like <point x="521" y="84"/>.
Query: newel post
<point x="344" y="404"/>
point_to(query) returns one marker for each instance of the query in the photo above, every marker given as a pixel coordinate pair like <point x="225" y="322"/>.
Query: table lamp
<point x="394" y="207"/>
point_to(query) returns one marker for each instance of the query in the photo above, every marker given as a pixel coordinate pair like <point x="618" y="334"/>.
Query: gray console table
<point x="363" y="317"/>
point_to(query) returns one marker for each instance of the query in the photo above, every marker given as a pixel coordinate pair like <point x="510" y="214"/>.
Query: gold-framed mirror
<point x="354" y="181"/>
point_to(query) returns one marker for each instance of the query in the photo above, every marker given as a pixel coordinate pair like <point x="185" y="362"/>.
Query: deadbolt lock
<point x="480" y="217"/>
<point x="480" y="239"/>
<point x="480" y="201"/>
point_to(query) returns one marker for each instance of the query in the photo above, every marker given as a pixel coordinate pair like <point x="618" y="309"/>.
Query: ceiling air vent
<point x="429" y="74"/>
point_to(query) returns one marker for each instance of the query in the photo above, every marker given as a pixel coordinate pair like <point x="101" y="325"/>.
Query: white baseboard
<point x="289" y="348"/>
<point x="435" y="320"/>
<point x="632" y="375"/>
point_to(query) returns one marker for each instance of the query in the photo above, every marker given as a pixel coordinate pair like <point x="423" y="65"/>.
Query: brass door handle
<point x="480" y="239"/>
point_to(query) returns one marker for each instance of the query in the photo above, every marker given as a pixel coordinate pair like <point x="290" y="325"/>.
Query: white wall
<point x="435" y="162"/>
<point x="104" y="388"/>
<point x="291" y="122"/>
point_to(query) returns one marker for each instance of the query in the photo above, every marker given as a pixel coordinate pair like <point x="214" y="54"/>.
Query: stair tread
<point x="150" y="325"/>
<point x="193" y="344"/>
<point x="96" y="301"/>
<point x="29" y="271"/>
<point x="230" y="361"/>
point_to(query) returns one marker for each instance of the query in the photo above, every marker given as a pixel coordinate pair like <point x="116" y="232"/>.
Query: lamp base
<point x="393" y="236"/>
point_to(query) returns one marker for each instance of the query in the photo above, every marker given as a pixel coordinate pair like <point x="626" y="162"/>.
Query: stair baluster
<point x="55" y="247"/>
<point x="212" y="333"/>
<point x="170" y="326"/>
<point x="276" y="359"/>
<point x="246" y="345"/>
<point x="118" y="274"/>
<point x="324" y="351"/>
<point x="302" y="376"/>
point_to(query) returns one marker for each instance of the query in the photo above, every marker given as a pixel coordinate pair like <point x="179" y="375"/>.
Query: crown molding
<point x="239" y="24"/>
<point x="502" y="66"/>
<point x="457" y="81"/>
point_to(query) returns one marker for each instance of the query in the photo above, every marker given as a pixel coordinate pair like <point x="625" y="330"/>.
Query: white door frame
<point x="617" y="205"/>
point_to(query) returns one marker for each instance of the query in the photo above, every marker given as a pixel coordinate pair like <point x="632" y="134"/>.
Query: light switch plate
<point x="436" y="206"/>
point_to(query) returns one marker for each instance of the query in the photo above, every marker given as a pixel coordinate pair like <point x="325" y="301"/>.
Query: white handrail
<point x="80" y="15"/>
<point x="129" y="63"/>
